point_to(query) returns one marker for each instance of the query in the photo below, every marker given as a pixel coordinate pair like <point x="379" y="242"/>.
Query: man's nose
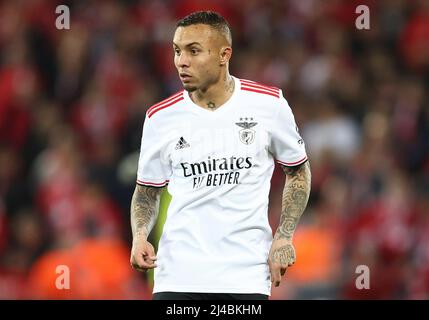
<point x="183" y="60"/>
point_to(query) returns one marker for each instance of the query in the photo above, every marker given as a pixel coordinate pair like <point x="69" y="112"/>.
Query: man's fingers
<point x="141" y="263"/>
<point x="146" y="262"/>
<point x="149" y="256"/>
<point x="143" y="267"/>
<point x="149" y="260"/>
<point x="150" y="252"/>
<point x="275" y="274"/>
<point x="136" y="267"/>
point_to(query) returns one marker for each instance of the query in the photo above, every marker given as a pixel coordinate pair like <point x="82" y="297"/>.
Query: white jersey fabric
<point x="218" y="166"/>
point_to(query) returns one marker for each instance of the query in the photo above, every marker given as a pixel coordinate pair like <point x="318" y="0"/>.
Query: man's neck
<point x="216" y="95"/>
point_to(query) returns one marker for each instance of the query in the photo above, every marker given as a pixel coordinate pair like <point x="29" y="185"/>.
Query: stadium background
<point x="72" y="105"/>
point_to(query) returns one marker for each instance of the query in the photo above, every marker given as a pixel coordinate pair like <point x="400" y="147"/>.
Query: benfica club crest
<point x="247" y="135"/>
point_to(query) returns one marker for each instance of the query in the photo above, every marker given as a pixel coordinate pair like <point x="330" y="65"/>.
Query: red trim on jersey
<point x="153" y="184"/>
<point x="166" y="100"/>
<point x="159" y="104"/>
<point x="250" y="81"/>
<point x="289" y="164"/>
<point x="255" y="86"/>
<point x="259" y="85"/>
<point x="260" y="91"/>
<point x="163" y="106"/>
<point x="259" y="88"/>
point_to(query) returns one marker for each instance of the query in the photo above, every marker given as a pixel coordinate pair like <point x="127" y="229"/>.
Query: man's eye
<point x="194" y="51"/>
<point x="177" y="52"/>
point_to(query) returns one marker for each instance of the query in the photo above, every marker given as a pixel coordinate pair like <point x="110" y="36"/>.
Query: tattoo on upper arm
<point x="295" y="197"/>
<point x="144" y="209"/>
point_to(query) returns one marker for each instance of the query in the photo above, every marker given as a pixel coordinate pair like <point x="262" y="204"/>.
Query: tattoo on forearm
<point x="144" y="209"/>
<point x="295" y="197"/>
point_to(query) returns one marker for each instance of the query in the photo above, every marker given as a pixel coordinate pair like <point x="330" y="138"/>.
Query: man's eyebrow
<point x="189" y="44"/>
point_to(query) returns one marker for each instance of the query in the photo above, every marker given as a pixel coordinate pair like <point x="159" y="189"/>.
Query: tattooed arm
<point x="295" y="197"/>
<point x="144" y="212"/>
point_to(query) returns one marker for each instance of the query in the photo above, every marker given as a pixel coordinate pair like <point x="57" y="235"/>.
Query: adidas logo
<point x="182" y="144"/>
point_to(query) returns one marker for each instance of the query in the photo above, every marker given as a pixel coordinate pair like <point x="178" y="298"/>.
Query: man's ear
<point x="225" y="55"/>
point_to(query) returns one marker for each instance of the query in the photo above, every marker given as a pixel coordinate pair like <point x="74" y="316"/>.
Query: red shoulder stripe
<point x="163" y="106"/>
<point x="259" y="84"/>
<point x="259" y="88"/>
<point x="260" y="91"/>
<point x="254" y="86"/>
<point x="177" y="94"/>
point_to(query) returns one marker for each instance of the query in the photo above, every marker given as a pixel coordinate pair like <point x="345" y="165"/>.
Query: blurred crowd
<point x="72" y="106"/>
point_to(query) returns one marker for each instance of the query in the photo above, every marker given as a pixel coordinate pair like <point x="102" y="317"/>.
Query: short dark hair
<point x="210" y="18"/>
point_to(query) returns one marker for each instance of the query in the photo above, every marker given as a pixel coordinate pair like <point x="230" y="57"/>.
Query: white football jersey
<point x="218" y="167"/>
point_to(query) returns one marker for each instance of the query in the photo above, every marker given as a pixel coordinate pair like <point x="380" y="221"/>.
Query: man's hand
<point x="142" y="255"/>
<point x="282" y="256"/>
<point x="144" y="211"/>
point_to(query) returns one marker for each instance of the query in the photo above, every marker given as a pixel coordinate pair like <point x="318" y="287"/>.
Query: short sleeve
<point x="153" y="166"/>
<point x="287" y="146"/>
